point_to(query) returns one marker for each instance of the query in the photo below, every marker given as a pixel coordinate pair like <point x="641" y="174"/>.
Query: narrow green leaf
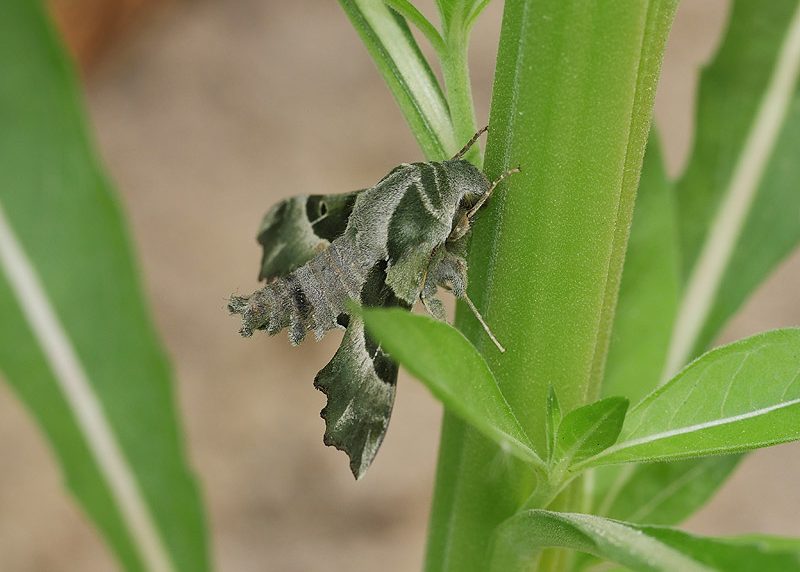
<point x="660" y="493"/>
<point x="76" y="343"/>
<point x="443" y="359"/>
<point x="738" y="397"/>
<point x="769" y="542"/>
<point x="738" y="200"/>
<point x="408" y="11"/>
<point x="587" y="430"/>
<point x="407" y="73"/>
<point x="648" y="295"/>
<point x="477" y="7"/>
<point x="458" y="15"/>
<point x="520" y="539"/>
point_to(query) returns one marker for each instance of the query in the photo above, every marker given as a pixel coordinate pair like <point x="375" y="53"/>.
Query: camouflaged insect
<point x="387" y="245"/>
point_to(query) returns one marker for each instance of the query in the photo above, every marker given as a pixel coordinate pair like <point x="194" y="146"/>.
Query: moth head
<point x="470" y="184"/>
<point x="467" y="180"/>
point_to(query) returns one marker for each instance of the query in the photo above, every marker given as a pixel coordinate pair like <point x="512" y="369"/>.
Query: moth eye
<point x="323" y="208"/>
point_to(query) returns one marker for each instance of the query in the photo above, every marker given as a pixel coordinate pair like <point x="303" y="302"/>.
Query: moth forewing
<point x="298" y="228"/>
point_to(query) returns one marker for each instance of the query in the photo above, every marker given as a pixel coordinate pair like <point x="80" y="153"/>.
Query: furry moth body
<point x="387" y="245"/>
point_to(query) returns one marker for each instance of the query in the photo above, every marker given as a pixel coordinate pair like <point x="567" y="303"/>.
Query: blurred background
<point x="206" y="113"/>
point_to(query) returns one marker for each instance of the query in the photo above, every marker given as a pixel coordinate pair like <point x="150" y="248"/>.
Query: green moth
<point x="389" y="245"/>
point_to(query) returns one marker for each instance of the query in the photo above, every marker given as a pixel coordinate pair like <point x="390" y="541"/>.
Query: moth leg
<point x="427" y="294"/>
<point x="446" y="270"/>
<point x="451" y="273"/>
<point x="434" y="307"/>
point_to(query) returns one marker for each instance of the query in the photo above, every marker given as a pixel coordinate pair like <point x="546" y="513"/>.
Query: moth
<point x="389" y="245"/>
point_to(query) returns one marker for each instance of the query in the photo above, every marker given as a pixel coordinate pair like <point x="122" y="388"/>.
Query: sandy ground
<point x="209" y="113"/>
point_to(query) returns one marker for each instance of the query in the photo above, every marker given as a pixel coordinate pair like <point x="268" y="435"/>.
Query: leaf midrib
<point x="689" y="429"/>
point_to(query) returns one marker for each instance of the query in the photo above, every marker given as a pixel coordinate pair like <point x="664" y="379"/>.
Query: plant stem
<point x="572" y="103"/>
<point x="455" y="70"/>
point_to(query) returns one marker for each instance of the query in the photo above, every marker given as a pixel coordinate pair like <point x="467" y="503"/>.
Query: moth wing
<point x="360" y="383"/>
<point x="417" y="227"/>
<point x="360" y="390"/>
<point x="298" y="228"/>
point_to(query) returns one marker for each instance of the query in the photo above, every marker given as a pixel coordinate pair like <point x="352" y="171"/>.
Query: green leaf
<point x="779" y="543"/>
<point x="459" y="15"/>
<point x="587" y="430"/>
<point x="660" y="493"/>
<point x="408" y="11"/>
<point x="648" y="295"/>
<point x="667" y="492"/>
<point x="738" y="200"/>
<point x="521" y="538"/>
<point x="407" y="73"/>
<point x="76" y="343"/>
<point x="443" y="359"/>
<point x="738" y="397"/>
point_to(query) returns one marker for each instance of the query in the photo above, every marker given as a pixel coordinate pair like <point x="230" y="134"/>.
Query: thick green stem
<point x="572" y="103"/>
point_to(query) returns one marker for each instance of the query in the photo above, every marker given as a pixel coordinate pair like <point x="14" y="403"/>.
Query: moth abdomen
<point x="309" y="299"/>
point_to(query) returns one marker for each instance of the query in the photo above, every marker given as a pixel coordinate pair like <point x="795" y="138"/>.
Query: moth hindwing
<point x="388" y="245"/>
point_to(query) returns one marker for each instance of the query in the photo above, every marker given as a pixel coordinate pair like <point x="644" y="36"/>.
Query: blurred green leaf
<point x="587" y="430"/>
<point x="76" y="343"/>
<point x="666" y="492"/>
<point x="443" y="359"/>
<point x="738" y="397"/>
<point x="768" y="542"/>
<point x="388" y="39"/>
<point x="738" y="202"/>
<point x="648" y="295"/>
<point x="520" y="539"/>
<point x="660" y="493"/>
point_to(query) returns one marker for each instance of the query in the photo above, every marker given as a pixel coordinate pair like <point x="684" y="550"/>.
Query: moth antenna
<point x="483" y="322"/>
<point x="488" y="193"/>
<point x="469" y="144"/>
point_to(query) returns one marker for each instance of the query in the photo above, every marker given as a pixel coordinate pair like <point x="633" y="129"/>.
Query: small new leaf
<point x="552" y="421"/>
<point x="590" y="429"/>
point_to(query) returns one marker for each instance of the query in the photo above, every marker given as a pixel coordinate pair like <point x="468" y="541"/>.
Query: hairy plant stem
<point x="572" y="103"/>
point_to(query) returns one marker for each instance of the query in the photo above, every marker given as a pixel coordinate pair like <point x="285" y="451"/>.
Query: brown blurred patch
<point x="90" y="27"/>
